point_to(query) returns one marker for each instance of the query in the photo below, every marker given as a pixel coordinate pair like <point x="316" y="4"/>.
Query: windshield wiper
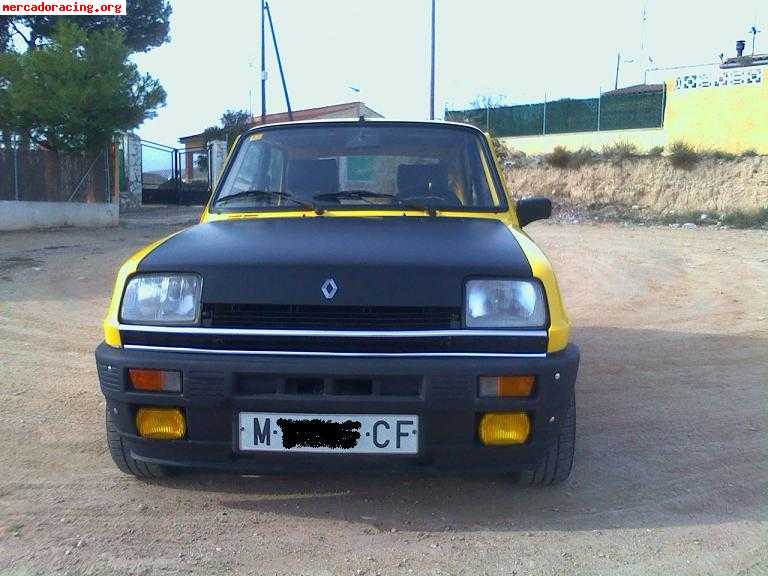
<point x="255" y="193"/>
<point x="353" y="195"/>
<point x="430" y="210"/>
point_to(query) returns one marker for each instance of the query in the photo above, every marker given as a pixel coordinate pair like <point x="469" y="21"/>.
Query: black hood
<point x="387" y="261"/>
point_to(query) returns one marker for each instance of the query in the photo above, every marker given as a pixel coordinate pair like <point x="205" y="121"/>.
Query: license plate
<point x="341" y="433"/>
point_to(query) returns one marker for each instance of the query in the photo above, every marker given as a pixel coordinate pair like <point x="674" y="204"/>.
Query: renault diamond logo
<point x="329" y="288"/>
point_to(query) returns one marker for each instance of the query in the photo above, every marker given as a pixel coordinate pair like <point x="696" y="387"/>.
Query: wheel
<point x="123" y="459"/>
<point x="556" y="466"/>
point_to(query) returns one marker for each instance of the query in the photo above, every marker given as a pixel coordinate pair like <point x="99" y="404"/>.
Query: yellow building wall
<point x="729" y="118"/>
<point x="643" y="138"/>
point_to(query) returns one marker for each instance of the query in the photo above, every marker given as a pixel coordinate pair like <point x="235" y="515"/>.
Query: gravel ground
<point x="670" y="474"/>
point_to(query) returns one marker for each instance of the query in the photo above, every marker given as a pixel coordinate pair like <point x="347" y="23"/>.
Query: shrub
<point x="560" y="157"/>
<point x="680" y="217"/>
<point x="751" y="153"/>
<point x="583" y="156"/>
<point x="656" y="151"/>
<point x="721" y="155"/>
<point x="620" y="150"/>
<point x="742" y="219"/>
<point x="683" y="155"/>
<point x="504" y="153"/>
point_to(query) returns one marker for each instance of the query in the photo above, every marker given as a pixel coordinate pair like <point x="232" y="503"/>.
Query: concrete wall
<point x="217" y="155"/>
<point x="130" y="198"/>
<point x="719" y="109"/>
<point x="19" y="215"/>
<point x="644" y="139"/>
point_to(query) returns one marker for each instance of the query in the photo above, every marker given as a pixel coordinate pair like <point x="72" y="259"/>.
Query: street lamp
<point x="618" y="66"/>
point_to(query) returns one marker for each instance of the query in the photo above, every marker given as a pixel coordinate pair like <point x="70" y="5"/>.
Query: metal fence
<point x="46" y="176"/>
<point x="174" y="176"/>
<point x="610" y="111"/>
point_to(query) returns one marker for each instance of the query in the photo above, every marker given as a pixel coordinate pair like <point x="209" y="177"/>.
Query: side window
<point x="245" y="173"/>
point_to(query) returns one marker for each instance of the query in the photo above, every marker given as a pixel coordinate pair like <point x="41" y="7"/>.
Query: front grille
<point x="275" y="317"/>
<point x="535" y="343"/>
<point x="265" y="385"/>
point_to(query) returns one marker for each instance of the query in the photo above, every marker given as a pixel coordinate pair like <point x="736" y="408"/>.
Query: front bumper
<point x="447" y="404"/>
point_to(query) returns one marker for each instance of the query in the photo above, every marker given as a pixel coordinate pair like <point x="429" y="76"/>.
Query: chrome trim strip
<point x="351" y="354"/>
<point x="330" y="333"/>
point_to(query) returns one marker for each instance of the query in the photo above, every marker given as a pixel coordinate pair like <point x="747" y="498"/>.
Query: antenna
<point x="754" y="31"/>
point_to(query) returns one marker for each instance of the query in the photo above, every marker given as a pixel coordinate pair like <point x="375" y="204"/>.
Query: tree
<point x="5" y="33"/>
<point x="145" y="25"/>
<point x="74" y="92"/>
<point x="233" y="123"/>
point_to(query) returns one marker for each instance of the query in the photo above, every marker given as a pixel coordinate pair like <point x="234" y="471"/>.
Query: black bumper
<point x="215" y="390"/>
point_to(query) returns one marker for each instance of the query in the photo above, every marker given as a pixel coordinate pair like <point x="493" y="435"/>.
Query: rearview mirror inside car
<point x="532" y="209"/>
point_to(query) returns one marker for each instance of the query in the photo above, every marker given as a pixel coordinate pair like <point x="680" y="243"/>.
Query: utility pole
<point x="279" y="62"/>
<point x="618" y="65"/>
<point x="432" y="69"/>
<point x="262" y="3"/>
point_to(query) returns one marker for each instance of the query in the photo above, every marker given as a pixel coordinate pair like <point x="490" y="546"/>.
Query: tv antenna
<point x="754" y="31"/>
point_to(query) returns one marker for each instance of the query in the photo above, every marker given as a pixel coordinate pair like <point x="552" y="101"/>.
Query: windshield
<point x="359" y="166"/>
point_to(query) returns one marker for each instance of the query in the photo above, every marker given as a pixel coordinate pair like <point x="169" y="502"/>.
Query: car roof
<point x="363" y="121"/>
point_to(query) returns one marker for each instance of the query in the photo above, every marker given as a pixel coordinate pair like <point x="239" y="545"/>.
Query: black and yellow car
<point x="357" y="293"/>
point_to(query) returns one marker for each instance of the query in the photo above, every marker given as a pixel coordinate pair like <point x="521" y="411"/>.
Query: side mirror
<point x="532" y="209"/>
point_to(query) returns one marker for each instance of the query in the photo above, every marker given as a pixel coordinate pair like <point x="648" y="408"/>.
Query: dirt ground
<point x="670" y="474"/>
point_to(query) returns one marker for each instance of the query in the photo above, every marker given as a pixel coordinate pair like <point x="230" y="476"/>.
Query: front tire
<point x="555" y="467"/>
<point x="123" y="459"/>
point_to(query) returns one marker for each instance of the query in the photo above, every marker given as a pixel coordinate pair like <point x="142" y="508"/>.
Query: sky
<point x="519" y="50"/>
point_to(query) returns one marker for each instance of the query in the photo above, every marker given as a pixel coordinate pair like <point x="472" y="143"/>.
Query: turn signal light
<point x="506" y="386"/>
<point x="504" y="428"/>
<point x="155" y="380"/>
<point x="160" y="423"/>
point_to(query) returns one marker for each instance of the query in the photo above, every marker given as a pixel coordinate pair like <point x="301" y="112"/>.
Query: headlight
<point x="162" y="299"/>
<point x="505" y="304"/>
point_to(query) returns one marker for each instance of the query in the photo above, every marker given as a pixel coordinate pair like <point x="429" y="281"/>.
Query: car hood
<point x="385" y="261"/>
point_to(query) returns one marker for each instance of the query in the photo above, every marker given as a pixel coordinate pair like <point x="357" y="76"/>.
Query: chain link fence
<point x="638" y="107"/>
<point x="46" y="176"/>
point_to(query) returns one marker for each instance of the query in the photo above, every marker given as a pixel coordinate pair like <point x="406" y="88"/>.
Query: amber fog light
<point x="505" y="386"/>
<point x="155" y="380"/>
<point x="504" y="428"/>
<point x="160" y="423"/>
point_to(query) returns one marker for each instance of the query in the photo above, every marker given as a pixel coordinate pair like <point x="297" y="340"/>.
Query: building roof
<point x="636" y="89"/>
<point x="743" y="61"/>
<point x="307" y="114"/>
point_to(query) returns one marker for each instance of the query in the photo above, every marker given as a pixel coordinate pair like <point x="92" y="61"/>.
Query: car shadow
<point x="670" y="432"/>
